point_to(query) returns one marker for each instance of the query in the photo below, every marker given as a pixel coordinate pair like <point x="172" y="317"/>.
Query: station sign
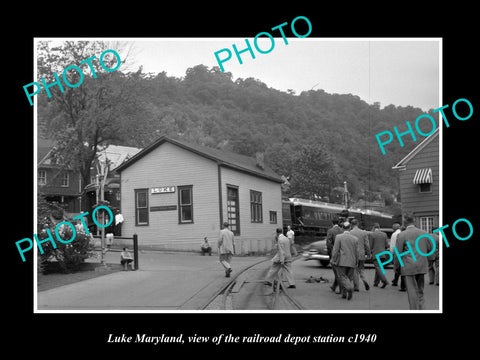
<point x="163" y="190"/>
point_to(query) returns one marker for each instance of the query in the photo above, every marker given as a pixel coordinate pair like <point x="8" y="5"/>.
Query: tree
<point x="314" y="173"/>
<point x="98" y="112"/>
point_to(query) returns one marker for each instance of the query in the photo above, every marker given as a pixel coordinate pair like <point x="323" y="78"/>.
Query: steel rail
<point x="229" y="285"/>
<point x="289" y="296"/>
<point x="278" y="287"/>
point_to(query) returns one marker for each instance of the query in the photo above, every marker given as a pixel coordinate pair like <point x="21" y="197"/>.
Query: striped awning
<point x="423" y="176"/>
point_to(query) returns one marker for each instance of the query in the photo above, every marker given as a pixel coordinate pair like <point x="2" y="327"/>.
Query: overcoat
<point x="331" y="233"/>
<point x="363" y="243"/>
<point x="378" y="242"/>
<point x="411" y="266"/>
<point x="345" y="250"/>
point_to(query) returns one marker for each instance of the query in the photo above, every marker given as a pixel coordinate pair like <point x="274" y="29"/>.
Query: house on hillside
<point x="109" y="158"/>
<point x="419" y="174"/>
<point x="56" y="182"/>
<point x="173" y="194"/>
<point x="63" y="185"/>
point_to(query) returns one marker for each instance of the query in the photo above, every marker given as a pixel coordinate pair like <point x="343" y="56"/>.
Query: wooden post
<point x="135" y="250"/>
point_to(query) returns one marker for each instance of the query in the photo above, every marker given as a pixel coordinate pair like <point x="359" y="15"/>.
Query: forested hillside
<point x="315" y="139"/>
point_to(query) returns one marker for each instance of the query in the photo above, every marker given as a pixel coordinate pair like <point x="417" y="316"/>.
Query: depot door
<point x="233" y="215"/>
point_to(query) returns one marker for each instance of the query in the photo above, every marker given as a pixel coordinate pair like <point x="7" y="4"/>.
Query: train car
<point x="369" y="217"/>
<point x="314" y="218"/>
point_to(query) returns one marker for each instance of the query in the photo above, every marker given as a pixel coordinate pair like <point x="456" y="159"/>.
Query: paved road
<point x="165" y="281"/>
<point x="318" y="296"/>
<point x="183" y="281"/>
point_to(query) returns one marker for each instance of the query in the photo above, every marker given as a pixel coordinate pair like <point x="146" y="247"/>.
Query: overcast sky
<point x="391" y="71"/>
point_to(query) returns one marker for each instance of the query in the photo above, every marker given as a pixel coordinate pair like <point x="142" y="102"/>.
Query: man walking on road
<point x="345" y="257"/>
<point x="281" y="262"/>
<point x="363" y="251"/>
<point x="396" y="266"/>
<point x="331" y="234"/>
<point x="226" y="248"/>
<point x="415" y="265"/>
<point x="378" y="243"/>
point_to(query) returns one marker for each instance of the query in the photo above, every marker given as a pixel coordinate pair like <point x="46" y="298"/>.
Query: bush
<point x="65" y="257"/>
<point x="69" y="256"/>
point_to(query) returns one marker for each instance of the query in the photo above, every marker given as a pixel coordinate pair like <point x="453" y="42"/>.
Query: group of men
<point x="348" y="247"/>
<point x="281" y="262"/>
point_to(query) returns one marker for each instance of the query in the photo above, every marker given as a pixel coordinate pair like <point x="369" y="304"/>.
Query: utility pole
<point x="346" y="196"/>
<point x="102" y="172"/>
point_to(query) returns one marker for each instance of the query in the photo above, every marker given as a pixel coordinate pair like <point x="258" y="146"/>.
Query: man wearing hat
<point x="345" y="256"/>
<point x="226" y="248"/>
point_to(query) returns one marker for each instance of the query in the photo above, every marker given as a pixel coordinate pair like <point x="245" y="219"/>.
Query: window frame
<point x="66" y="176"/>
<point x="138" y="191"/>
<point x="429" y="220"/>
<point x="425" y="191"/>
<point x="274" y="213"/>
<point x="256" y="206"/>
<point x="181" y="206"/>
<point x="42" y="177"/>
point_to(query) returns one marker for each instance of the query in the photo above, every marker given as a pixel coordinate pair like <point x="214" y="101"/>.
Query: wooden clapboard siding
<point x="171" y="165"/>
<point x="413" y="201"/>
<point x="252" y="235"/>
<point x="168" y="162"/>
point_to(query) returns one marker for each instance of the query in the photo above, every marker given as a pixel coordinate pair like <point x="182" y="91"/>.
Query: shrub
<point x="69" y="256"/>
<point x="65" y="257"/>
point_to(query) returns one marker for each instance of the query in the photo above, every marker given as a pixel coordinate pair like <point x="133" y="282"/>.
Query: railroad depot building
<point x="419" y="175"/>
<point x="173" y="194"/>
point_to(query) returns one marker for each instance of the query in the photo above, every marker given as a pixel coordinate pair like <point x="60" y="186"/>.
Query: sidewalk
<point x="164" y="281"/>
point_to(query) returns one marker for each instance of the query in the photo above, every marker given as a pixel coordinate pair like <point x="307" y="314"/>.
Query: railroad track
<point x="279" y="290"/>
<point x="278" y="299"/>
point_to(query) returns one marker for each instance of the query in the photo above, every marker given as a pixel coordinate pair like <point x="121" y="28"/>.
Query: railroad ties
<point x="247" y="291"/>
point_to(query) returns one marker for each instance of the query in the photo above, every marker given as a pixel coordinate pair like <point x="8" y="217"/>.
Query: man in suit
<point x="415" y="265"/>
<point x="397" y="229"/>
<point x="282" y="261"/>
<point x="225" y="248"/>
<point x="331" y="234"/>
<point x="363" y="253"/>
<point x="345" y="257"/>
<point x="378" y="243"/>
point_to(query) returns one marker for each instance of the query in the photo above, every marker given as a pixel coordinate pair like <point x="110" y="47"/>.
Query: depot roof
<point x="223" y="158"/>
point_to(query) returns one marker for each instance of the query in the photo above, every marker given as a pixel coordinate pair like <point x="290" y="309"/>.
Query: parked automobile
<point x="318" y="250"/>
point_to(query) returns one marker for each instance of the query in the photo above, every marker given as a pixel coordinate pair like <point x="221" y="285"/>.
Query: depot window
<point x="273" y="217"/>
<point x="185" y="204"/>
<point x="256" y="206"/>
<point x="141" y="207"/>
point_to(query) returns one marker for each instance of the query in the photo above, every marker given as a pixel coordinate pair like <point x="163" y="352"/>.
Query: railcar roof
<point x="336" y="207"/>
